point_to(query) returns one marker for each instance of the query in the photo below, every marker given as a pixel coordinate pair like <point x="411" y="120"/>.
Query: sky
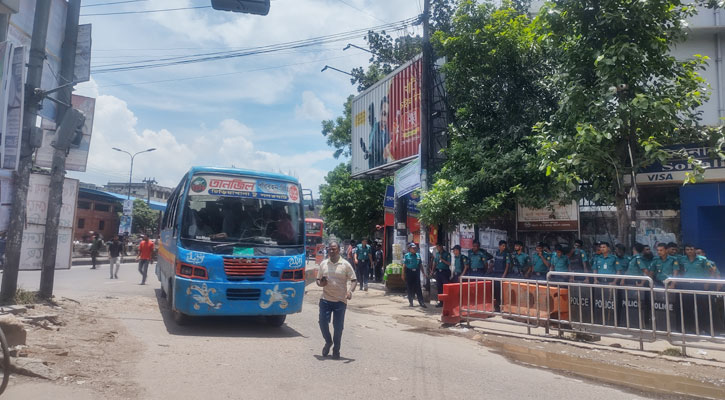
<point x="260" y="112"/>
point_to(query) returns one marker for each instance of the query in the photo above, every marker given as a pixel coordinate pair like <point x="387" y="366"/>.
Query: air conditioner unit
<point x="9" y="6"/>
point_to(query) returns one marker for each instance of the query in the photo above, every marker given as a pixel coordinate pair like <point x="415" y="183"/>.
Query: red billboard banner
<point x="386" y="120"/>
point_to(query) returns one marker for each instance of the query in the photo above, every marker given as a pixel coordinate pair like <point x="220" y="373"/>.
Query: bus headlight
<point x="191" y="271"/>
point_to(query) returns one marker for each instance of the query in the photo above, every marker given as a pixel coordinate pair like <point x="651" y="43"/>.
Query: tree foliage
<point x="145" y="220"/>
<point x="493" y="77"/>
<point x="624" y="95"/>
<point x="352" y="206"/>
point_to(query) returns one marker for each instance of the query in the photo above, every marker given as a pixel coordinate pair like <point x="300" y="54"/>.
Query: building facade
<point x="96" y="213"/>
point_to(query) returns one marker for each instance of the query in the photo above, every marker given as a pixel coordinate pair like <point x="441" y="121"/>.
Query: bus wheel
<point x="179" y="318"/>
<point x="276" y="320"/>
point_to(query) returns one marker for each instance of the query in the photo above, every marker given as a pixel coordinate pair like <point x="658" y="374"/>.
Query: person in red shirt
<point x="145" y="251"/>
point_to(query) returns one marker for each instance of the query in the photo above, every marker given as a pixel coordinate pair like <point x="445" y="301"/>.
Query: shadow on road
<point x="252" y="327"/>
<point x="341" y="359"/>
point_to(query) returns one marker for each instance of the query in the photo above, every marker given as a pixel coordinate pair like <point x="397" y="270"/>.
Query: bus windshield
<point x="313" y="228"/>
<point x="224" y="224"/>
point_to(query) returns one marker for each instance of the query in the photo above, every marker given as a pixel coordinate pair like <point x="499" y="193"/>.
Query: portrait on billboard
<point x="386" y="120"/>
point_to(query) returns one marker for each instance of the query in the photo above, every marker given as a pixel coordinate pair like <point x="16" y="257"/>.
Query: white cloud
<point x="231" y="143"/>
<point x="312" y="108"/>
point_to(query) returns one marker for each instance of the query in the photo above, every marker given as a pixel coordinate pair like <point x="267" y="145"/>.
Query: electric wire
<point x="222" y="74"/>
<point x="143" y="11"/>
<point x="362" y="11"/>
<point x="112" y="3"/>
<point x="204" y="57"/>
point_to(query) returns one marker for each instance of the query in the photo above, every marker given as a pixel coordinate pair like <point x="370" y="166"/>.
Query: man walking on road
<point x="115" y="249"/>
<point x="411" y="274"/>
<point x="337" y="279"/>
<point x="145" y="252"/>
<point x="95" y="249"/>
<point x="363" y="258"/>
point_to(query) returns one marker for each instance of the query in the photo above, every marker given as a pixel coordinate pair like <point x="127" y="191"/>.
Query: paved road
<point x="232" y="359"/>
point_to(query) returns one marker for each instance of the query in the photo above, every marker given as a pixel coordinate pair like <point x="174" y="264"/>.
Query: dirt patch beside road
<point x="87" y="348"/>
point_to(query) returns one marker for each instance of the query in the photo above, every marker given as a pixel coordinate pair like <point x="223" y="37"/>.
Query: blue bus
<point x="233" y="243"/>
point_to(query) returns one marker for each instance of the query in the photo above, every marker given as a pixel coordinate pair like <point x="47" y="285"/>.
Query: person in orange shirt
<point x="145" y="252"/>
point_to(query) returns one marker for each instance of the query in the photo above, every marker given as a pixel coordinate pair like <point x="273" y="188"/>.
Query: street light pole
<point x="130" y="173"/>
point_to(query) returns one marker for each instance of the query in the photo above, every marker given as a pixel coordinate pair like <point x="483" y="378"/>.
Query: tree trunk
<point x="623" y="218"/>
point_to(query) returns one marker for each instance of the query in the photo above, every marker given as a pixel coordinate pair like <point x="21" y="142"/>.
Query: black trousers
<point x="443" y="276"/>
<point x="412" y="282"/>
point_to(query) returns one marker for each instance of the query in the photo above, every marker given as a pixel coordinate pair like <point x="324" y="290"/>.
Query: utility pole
<point x="63" y="135"/>
<point x="21" y="177"/>
<point x="425" y="122"/>
<point x="148" y="183"/>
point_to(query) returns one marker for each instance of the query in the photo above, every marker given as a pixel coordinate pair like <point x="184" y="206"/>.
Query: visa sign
<point x="675" y="171"/>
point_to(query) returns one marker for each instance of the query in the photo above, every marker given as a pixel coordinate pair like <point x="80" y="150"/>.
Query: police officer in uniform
<point x="411" y="274"/>
<point x="664" y="265"/>
<point x="460" y="264"/>
<point x="559" y="262"/>
<point x="578" y="259"/>
<point x="363" y="258"/>
<point x="478" y="258"/>
<point x="520" y="260"/>
<point x="541" y="262"/>
<point x="442" y="268"/>
<point x="605" y="264"/>
<point x="501" y="261"/>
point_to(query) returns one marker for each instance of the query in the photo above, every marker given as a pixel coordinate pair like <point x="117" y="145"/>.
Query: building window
<point x="84" y="205"/>
<point x="118" y="209"/>
<point x="81" y="223"/>
<point x="102" y="207"/>
<point x="101" y="225"/>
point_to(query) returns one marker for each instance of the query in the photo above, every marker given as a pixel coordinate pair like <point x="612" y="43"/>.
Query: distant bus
<point x="233" y="243"/>
<point x="313" y="229"/>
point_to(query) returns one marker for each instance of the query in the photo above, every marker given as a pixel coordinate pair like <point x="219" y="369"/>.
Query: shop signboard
<point x="386" y="122"/>
<point x="412" y="197"/>
<point x="675" y="170"/>
<point x="556" y="217"/>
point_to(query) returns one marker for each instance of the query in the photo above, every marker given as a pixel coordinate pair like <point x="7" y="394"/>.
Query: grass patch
<point x="23" y="296"/>
<point x="671" y="351"/>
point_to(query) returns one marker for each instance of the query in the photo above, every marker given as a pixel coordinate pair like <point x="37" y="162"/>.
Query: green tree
<point x="145" y="220"/>
<point x="494" y="81"/>
<point x="352" y="206"/>
<point x="624" y="96"/>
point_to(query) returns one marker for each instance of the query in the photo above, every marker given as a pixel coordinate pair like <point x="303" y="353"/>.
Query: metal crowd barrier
<point x="574" y="303"/>
<point x="691" y="298"/>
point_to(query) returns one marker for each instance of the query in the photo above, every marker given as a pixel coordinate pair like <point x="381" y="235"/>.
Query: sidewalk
<point x="611" y="360"/>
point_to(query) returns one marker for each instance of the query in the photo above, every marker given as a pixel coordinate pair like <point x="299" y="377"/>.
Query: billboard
<point x="553" y="218"/>
<point x="386" y="121"/>
<point x="77" y="155"/>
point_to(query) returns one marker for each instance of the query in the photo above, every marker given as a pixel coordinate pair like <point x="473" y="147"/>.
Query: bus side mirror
<point x="308" y="193"/>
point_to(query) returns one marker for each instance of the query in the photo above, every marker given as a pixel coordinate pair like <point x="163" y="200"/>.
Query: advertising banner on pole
<point x="19" y="34"/>
<point x="77" y="155"/>
<point x="82" y="70"/>
<point x="13" y="122"/>
<point x="386" y="121"/>
<point x="31" y="253"/>
<point x="407" y="179"/>
<point x="6" y="51"/>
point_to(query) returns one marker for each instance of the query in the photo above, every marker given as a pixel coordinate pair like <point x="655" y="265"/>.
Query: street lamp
<point x="130" y="174"/>
<point x="335" y="69"/>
